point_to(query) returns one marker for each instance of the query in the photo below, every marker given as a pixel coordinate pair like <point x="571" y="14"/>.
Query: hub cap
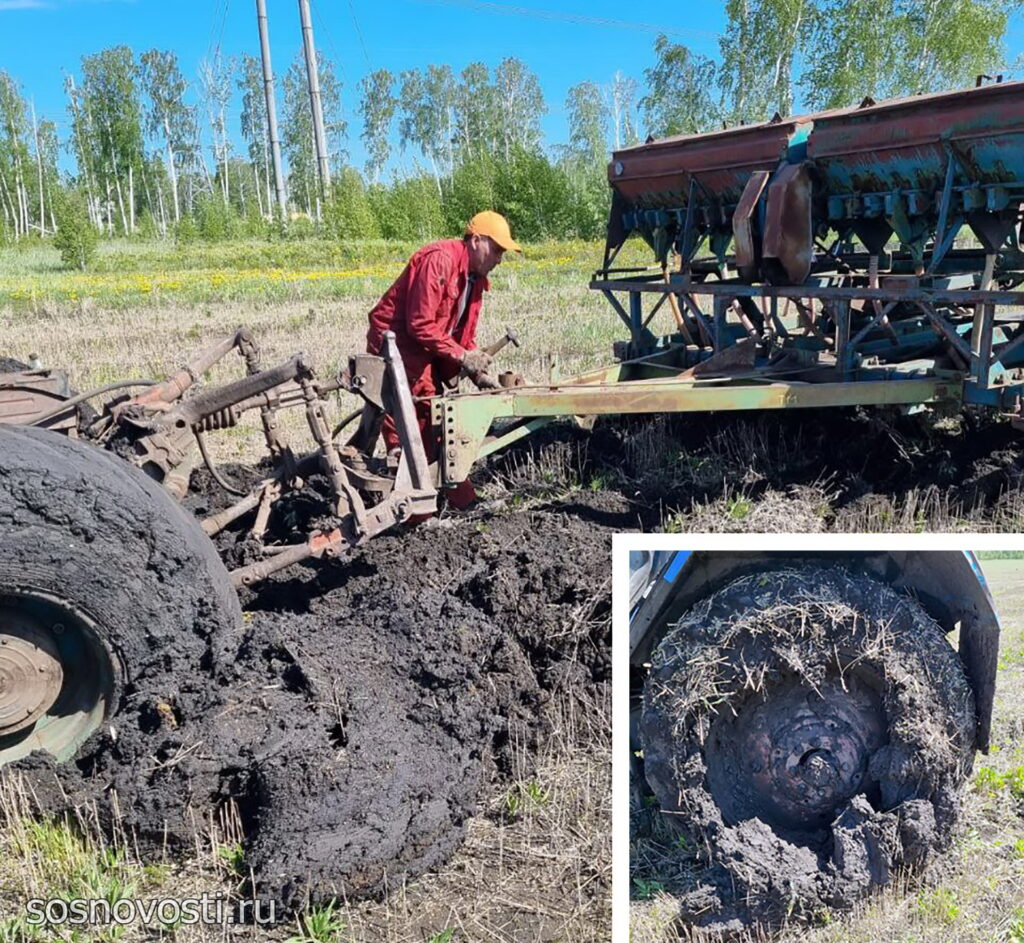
<point x="30" y="672"/>
<point x="796" y="756"/>
<point x="57" y="678"/>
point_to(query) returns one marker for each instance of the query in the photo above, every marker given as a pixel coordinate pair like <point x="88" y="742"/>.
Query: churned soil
<point x="362" y="707"/>
<point x="813" y="470"/>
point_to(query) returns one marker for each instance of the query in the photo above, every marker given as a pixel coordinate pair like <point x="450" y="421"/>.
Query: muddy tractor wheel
<point x="104" y="580"/>
<point x="810" y="728"/>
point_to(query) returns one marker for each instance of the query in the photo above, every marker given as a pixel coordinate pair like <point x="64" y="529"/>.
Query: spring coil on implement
<point x="221" y="419"/>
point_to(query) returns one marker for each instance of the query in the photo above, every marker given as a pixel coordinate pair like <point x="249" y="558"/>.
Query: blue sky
<point x="563" y="41"/>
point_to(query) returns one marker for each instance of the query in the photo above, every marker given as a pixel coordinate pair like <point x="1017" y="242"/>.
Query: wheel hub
<point x="31" y="676"/>
<point x="796" y="756"/>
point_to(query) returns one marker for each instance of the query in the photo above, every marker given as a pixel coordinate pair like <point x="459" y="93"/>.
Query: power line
<point x="359" y="33"/>
<point x="223" y="23"/>
<point x="214" y="14"/>
<point x="337" y="61"/>
<point x="486" y="6"/>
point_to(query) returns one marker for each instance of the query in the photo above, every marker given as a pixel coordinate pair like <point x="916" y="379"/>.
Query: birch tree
<point x="113" y="117"/>
<point x="215" y="77"/>
<point x="588" y="124"/>
<point x="621" y="95"/>
<point x="256" y="130"/>
<point x="426" y="103"/>
<point x="761" y="41"/>
<point x="168" y="116"/>
<point x="15" y="159"/>
<point x="297" y="135"/>
<point x="680" y="95"/>
<point x="520" y="105"/>
<point x="377" y="107"/>
<point x="476" y="111"/>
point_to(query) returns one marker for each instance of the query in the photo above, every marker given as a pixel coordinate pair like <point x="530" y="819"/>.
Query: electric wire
<point x="325" y="30"/>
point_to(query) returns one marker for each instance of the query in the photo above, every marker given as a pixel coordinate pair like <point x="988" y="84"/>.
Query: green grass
<point x="130" y="274"/>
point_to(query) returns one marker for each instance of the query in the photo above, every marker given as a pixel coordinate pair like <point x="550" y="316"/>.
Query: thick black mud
<point x="804" y="470"/>
<point x="362" y="707"/>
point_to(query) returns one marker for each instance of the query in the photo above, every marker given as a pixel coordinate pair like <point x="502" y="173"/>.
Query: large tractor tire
<point x="114" y="606"/>
<point x="809" y="729"/>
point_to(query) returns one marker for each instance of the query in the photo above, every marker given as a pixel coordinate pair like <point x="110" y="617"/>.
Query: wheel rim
<point x="57" y="678"/>
<point x="31" y="675"/>
<point x="794" y="755"/>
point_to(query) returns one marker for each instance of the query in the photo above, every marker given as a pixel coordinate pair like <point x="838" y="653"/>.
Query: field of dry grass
<point x="976" y="893"/>
<point x="147" y="309"/>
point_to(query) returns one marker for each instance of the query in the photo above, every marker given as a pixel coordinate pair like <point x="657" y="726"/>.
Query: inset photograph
<point x="826" y="745"/>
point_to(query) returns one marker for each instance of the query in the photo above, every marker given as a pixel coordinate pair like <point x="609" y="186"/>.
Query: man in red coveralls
<point x="433" y="308"/>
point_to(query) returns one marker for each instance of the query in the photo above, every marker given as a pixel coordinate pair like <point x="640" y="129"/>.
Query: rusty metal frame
<point x="466" y="423"/>
<point x="159" y="429"/>
<point x="836" y="366"/>
<point x="985" y="357"/>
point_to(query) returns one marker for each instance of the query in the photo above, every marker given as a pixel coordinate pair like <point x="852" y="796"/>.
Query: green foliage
<point x="319" y="925"/>
<point x="991" y="781"/>
<point x="680" y="91"/>
<point x="445" y="936"/>
<point x="186" y="231"/>
<point x="740" y="508"/>
<point x="940" y="904"/>
<point x="216" y="221"/>
<point x="758" y="48"/>
<point x="349" y="214"/>
<point x="410" y="209"/>
<point x="76" y="236"/>
<point x="525" y="796"/>
<point x="645" y="890"/>
<point x="884" y="49"/>
<point x="110" y="101"/>
<point x="233" y="857"/>
<point x="377" y="107"/>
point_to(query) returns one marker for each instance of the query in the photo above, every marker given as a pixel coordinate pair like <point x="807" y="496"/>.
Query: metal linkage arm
<point x="176" y="385"/>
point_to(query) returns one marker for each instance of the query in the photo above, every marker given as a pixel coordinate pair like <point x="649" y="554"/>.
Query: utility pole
<point x="268" y="91"/>
<point x="314" y="99"/>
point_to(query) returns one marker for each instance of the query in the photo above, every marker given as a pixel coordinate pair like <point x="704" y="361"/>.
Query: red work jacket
<point x="422" y="308"/>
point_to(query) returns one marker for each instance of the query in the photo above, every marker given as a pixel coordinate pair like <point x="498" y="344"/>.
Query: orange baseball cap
<point x="494" y="225"/>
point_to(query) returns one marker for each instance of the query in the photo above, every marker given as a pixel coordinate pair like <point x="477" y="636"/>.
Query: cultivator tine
<point x="333" y="466"/>
<point x="215" y="523"/>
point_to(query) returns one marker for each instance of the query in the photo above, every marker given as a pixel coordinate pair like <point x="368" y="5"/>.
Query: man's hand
<point x="475" y="363"/>
<point x="484" y="381"/>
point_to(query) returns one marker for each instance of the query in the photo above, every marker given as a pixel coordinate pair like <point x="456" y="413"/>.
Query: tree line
<point x="153" y="153"/>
